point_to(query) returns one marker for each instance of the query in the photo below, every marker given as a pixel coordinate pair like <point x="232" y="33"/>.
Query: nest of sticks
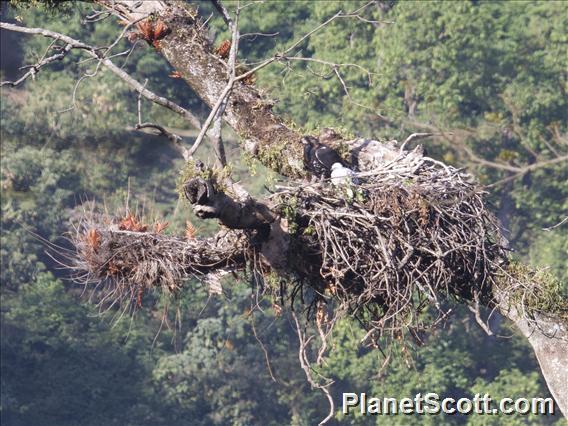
<point x="408" y="236"/>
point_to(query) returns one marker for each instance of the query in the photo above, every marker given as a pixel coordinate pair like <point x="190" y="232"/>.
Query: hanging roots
<point x="408" y="236"/>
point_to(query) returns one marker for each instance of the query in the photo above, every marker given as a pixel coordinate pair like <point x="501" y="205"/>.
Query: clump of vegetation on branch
<point x="123" y="259"/>
<point x="533" y="291"/>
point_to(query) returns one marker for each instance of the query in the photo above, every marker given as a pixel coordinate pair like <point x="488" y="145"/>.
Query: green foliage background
<point x="493" y="73"/>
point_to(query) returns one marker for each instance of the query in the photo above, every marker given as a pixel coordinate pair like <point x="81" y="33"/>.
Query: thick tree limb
<point x="209" y="202"/>
<point x="548" y="336"/>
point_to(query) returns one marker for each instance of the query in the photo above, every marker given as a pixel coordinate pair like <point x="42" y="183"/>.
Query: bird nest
<point x="409" y="235"/>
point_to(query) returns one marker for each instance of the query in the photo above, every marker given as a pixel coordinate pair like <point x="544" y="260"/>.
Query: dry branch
<point x="95" y="54"/>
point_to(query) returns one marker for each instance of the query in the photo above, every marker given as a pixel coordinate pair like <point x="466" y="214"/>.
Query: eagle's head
<point x="310" y="141"/>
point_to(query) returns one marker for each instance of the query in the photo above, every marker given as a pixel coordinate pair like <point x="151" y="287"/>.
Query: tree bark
<point x="548" y="337"/>
<point x="189" y="51"/>
<point x="209" y="203"/>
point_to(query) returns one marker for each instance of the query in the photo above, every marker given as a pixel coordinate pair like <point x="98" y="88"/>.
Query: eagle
<point x="319" y="158"/>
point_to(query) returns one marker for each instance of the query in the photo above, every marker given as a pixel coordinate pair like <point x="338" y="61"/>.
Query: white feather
<point x="341" y="175"/>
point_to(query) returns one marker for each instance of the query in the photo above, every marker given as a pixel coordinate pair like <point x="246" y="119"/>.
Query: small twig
<point x="562" y="222"/>
<point x="253" y="36"/>
<point x="266" y="357"/>
<point x="122" y="34"/>
<point x="140" y="104"/>
<point x="96" y="16"/>
<point x="477" y="314"/>
<point x="283" y="54"/>
<point x="34" y="69"/>
<point x="518" y="170"/>
<point x="414" y="136"/>
<point x="173" y="138"/>
<point x="304" y="363"/>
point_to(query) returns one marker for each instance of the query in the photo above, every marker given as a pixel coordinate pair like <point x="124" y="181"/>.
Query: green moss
<point x="360" y="195"/>
<point x="250" y="161"/>
<point x="291" y="124"/>
<point x="541" y="292"/>
<point x="272" y="157"/>
<point x="272" y="280"/>
<point x="290" y="213"/>
<point x="309" y="230"/>
<point x="277" y="158"/>
<point x="217" y="176"/>
<point x="345" y="133"/>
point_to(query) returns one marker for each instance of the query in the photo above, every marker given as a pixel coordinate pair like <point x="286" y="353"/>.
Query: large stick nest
<point x="410" y="234"/>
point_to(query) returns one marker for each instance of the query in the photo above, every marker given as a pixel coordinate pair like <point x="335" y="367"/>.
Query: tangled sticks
<point x="411" y="233"/>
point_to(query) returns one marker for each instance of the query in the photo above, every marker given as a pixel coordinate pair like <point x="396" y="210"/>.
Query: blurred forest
<point x="491" y="73"/>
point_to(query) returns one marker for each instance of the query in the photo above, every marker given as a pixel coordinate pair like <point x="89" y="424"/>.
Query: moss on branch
<point x="532" y="291"/>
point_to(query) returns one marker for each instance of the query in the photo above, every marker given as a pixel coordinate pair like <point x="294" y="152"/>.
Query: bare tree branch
<point x="94" y="53"/>
<point x="223" y="11"/>
<point x="562" y="222"/>
<point x="278" y="56"/>
<point x="176" y="140"/>
<point x="455" y="140"/>
<point x="172" y="137"/>
<point x="96" y="16"/>
<point x="34" y="69"/>
<point x="219" y="108"/>
<point x="305" y="364"/>
<point x="518" y="170"/>
<point x="414" y="136"/>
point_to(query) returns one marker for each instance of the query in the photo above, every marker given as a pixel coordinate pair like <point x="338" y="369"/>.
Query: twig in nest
<point x="410" y="234"/>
